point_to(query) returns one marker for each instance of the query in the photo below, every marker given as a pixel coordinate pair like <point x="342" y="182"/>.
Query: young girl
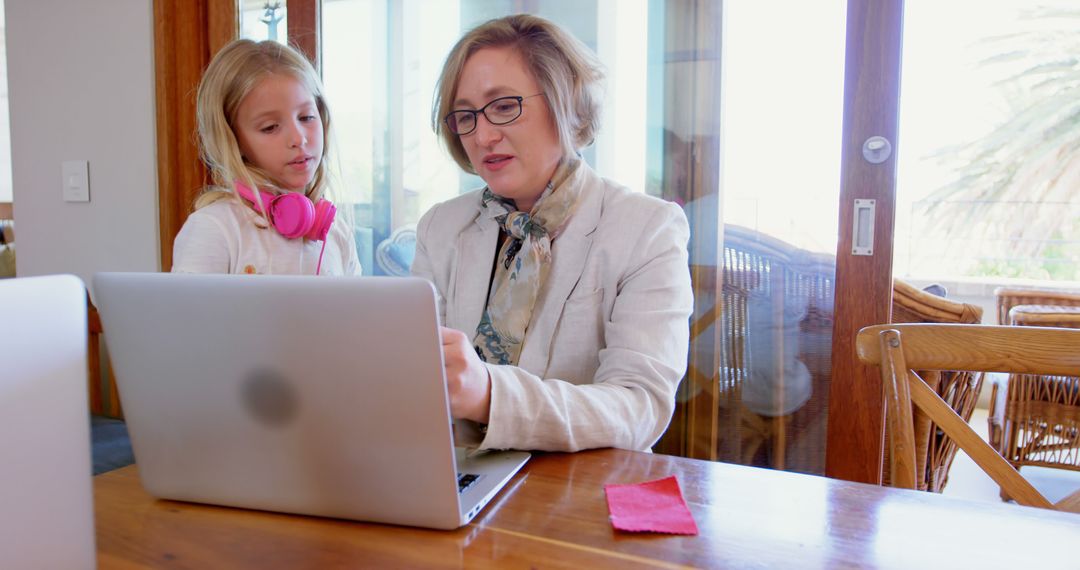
<point x="263" y="124"/>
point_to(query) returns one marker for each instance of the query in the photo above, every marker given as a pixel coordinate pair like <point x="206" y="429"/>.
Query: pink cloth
<point x="653" y="506"/>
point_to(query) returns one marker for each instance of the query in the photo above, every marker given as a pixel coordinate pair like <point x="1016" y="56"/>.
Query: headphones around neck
<point x="292" y="214"/>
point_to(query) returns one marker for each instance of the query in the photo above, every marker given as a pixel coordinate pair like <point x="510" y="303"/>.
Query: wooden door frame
<point x="854" y="441"/>
<point x="186" y="35"/>
<point x="305" y="29"/>
<point x="690" y="42"/>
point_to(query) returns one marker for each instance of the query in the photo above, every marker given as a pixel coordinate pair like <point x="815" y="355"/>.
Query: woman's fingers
<point x="467" y="381"/>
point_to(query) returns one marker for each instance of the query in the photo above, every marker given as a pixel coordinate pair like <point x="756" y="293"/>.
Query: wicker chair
<point x="774" y="382"/>
<point x="1035" y="420"/>
<point x="960" y="389"/>
<point x="900" y="349"/>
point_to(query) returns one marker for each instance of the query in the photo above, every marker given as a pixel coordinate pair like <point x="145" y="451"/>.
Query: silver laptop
<point x="46" y="496"/>
<point x="321" y="396"/>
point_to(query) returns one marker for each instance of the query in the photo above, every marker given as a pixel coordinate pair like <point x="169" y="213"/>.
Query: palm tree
<point x="1019" y="185"/>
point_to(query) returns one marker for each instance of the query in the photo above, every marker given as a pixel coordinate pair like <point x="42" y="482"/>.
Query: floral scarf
<point x="522" y="264"/>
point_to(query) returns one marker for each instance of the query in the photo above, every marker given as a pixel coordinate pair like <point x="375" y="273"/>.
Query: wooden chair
<point x="103" y="397"/>
<point x="960" y="389"/>
<point x="900" y="349"/>
<point x="1035" y="420"/>
<point x="7" y="240"/>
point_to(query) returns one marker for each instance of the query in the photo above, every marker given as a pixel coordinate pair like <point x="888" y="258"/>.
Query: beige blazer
<point x="607" y="345"/>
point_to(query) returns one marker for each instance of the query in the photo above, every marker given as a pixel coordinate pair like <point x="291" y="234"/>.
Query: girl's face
<point x="516" y="159"/>
<point x="280" y="131"/>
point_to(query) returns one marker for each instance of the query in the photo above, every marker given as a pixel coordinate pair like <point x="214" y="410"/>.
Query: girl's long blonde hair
<point x="233" y="73"/>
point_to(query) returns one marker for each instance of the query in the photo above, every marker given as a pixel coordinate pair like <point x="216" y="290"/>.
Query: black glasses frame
<point x="475" y="113"/>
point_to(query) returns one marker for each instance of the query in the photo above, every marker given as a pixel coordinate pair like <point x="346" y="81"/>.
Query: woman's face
<point x="517" y="159"/>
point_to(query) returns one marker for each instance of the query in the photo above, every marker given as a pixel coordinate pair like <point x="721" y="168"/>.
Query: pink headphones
<point x="292" y="213"/>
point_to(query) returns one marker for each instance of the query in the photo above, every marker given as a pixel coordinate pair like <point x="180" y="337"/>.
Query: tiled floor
<point x="967" y="481"/>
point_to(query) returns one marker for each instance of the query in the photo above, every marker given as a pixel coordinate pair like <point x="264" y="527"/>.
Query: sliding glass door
<point x="772" y="123"/>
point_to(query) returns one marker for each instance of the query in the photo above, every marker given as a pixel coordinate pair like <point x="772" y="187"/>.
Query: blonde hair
<point x="233" y="73"/>
<point x="569" y="74"/>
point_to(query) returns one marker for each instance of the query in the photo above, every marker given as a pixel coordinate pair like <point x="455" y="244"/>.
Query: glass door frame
<point x="855" y="432"/>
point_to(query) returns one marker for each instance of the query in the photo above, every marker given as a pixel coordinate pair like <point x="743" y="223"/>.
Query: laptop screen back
<point x="321" y="396"/>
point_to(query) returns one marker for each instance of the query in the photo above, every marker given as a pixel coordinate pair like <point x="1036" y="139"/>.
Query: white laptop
<point x="312" y="395"/>
<point x="46" y="495"/>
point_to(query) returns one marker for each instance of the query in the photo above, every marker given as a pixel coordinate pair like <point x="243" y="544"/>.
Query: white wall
<point x="81" y="85"/>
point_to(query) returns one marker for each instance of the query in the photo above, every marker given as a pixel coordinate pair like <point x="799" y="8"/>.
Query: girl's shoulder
<point x="225" y="218"/>
<point x="226" y="210"/>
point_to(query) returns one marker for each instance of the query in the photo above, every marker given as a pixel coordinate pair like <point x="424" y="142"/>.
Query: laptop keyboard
<point x="465" y="480"/>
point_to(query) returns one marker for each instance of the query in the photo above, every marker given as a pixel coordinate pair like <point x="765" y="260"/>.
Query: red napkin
<point x="653" y="506"/>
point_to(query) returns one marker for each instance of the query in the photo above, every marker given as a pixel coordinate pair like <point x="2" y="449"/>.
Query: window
<point x="381" y="62"/>
<point x="7" y="228"/>
<point x="5" y="127"/>
<point x="989" y="169"/>
<point x="264" y="20"/>
<point x="661" y="135"/>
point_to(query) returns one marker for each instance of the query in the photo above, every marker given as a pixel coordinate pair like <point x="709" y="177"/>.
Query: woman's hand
<point x="467" y="379"/>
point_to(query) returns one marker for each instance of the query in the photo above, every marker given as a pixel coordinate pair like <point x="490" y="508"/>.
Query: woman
<point x="566" y="295"/>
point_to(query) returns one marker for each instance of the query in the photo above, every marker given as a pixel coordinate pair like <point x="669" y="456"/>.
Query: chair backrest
<point x="395" y="254"/>
<point x="913" y="305"/>
<point x="900" y="349"/>
<point x="934" y="451"/>
<point x="1009" y="297"/>
<point x="1061" y="316"/>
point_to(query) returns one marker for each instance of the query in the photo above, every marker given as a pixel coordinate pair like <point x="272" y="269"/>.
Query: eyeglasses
<point x="500" y="111"/>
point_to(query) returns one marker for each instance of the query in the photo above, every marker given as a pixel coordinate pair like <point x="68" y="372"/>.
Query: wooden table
<point x="554" y="515"/>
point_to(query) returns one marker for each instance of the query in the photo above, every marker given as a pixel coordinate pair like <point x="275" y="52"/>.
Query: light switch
<point x="76" y="180"/>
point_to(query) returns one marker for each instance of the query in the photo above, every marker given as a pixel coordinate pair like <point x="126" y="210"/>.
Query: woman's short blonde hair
<point x="569" y="74"/>
<point x="233" y="73"/>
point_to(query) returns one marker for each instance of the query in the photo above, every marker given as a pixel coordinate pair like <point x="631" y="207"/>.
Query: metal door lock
<point x="876" y="149"/>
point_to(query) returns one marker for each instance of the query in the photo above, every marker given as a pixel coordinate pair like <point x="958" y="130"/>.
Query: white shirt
<point x="226" y="237"/>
